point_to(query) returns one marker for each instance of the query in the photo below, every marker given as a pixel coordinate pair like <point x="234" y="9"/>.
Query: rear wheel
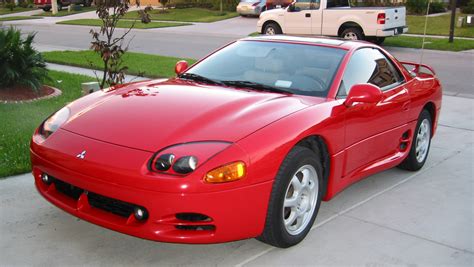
<point x="352" y="34"/>
<point x="420" y="145"/>
<point x="46" y="9"/>
<point x="295" y="199"/>
<point x="272" y="29"/>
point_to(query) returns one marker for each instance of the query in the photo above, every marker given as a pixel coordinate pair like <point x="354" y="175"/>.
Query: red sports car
<point x="245" y="143"/>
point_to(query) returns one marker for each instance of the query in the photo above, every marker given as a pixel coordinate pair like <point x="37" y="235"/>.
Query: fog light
<point x="140" y="213"/>
<point x="164" y="162"/>
<point x="185" y="164"/>
<point x="45" y="178"/>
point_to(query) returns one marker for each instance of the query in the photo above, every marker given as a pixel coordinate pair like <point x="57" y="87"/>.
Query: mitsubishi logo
<point x="81" y="155"/>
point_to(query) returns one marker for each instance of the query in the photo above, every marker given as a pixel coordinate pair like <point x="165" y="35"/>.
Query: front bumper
<point x="233" y="214"/>
<point x="392" y="31"/>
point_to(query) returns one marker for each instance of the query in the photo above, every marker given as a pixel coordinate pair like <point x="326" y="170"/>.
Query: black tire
<point x="411" y="162"/>
<point x="379" y="40"/>
<point x="87" y="3"/>
<point x="275" y="232"/>
<point x="353" y="32"/>
<point x="272" y="28"/>
<point x="46" y="9"/>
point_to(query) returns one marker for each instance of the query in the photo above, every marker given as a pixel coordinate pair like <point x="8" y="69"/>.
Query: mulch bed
<point x="22" y="93"/>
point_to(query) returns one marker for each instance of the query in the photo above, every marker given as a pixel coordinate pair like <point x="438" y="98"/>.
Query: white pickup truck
<point x="334" y="18"/>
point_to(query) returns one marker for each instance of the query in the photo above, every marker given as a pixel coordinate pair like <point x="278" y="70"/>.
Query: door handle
<point x="406" y="106"/>
<point x="308" y="15"/>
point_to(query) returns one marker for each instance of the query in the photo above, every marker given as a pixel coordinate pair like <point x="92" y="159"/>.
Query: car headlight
<point x="184" y="158"/>
<point x="53" y="123"/>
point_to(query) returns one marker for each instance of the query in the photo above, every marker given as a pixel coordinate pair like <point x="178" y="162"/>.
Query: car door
<point x="298" y="17"/>
<point x="373" y="132"/>
<point x="316" y="18"/>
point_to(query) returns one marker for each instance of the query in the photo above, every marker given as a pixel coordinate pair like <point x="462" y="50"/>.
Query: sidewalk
<point x="392" y="218"/>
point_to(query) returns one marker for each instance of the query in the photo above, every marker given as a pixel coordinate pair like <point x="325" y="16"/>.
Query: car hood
<point x="153" y="115"/>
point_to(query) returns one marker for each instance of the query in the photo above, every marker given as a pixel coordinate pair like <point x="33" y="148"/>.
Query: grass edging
<point x="13" y="18"/>
<point x="441" y="44"/>
<point x="122" y="23"/>
<point x="139" y="64"/>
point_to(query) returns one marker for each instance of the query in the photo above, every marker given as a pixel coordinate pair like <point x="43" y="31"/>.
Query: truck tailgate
<point x="395" y="17"/>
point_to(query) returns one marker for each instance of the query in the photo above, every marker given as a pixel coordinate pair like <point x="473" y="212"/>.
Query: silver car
<point x="251" y="7"/>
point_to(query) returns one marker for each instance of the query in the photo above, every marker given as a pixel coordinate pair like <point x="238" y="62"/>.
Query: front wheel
<point x="295" y="199"/>
<point x="272" y="29"/>
<point x="420" y="145"/>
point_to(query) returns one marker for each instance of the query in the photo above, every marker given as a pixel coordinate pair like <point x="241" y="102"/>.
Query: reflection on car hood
<point x="152" y="115"/>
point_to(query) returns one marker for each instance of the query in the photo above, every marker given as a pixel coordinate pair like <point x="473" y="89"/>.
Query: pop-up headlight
<point x="53" y="123"/>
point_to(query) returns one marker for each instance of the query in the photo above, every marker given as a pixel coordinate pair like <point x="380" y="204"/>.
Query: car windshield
<point x="272" y="66"/>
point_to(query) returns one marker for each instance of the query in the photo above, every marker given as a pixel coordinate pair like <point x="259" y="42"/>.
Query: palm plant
<point x="20" y="63"/>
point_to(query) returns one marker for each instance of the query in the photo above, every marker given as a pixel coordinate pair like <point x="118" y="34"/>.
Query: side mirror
<point x="181" y="66"/>
<point x="363" y="93"/>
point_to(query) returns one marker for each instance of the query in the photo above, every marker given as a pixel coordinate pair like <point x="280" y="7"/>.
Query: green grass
<point x="153" y="66"/>
<point x="437" y="26"/>
<point x="4" y="11"/>
<point x="186" y="14"/>
<point x="18" y="18"/>
<point x="430" y="43"/>
<point x="122" y="23"/>
<point x="64" y="12"/>
<point x="20" y="120"/>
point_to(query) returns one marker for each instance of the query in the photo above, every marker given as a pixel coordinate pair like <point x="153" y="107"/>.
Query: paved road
<point x="456" y="70"/>
<point x="392" y="218"/>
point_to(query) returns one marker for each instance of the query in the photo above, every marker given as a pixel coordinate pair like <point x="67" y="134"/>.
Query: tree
<point x="107" y="44"/>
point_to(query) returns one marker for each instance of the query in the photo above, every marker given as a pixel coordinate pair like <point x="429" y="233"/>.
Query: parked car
<point x="245" y="143"/>
<point x="46" y="4"/>
<point x="251" y="7"/>
<point x="334" y="18"/>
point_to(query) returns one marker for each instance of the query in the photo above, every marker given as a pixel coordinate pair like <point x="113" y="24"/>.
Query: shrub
<point x="20" y="63"/>
<point x="419" y="7"/>
<point x="469" y="8"/>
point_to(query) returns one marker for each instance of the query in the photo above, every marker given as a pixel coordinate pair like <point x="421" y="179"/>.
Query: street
<point x="396" y="217"/>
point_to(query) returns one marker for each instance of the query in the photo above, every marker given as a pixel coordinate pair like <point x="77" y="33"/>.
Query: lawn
<point x="430" y="43"/>
<point x="138" y="64"/>
<point x="17" y="9"/>
<point x="65" y="12"/>
<point x="186" y="14"/>
<point x="437" y="25"/>
<point x="123" y="23"/>
<point x="20" y="120"/>
<point x="18" y="18"/>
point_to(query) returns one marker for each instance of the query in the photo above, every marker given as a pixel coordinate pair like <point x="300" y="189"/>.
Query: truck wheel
<point x="376" y="40"/>
<point x="272" y="29"/>
<point x="46" y="9"/>
<point x="87" y="3"/>
<point x="352" y="34"/>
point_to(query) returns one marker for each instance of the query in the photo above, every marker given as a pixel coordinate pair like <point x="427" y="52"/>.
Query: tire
<point x="299" y="166"/>
<point x="352" y="34"/>
<point x="421" y="139"/>
<point x="46" y="9"/>
<point x="376" y="40"/>
<point x="272" y="28"/>
<point x="87" y="3"/>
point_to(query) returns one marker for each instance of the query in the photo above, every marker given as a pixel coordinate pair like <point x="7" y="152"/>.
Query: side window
<point x="306" y="5"/>
<point x="369" y="65"/>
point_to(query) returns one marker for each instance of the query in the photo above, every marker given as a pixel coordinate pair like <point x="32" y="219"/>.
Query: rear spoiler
<point x="417" y="67"/>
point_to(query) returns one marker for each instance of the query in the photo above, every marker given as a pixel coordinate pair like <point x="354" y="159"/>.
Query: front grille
<point x="114" y="206"/>
<point x="67" y="189"/>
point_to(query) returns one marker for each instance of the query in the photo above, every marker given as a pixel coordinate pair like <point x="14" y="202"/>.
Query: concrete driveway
<point x="392" y="218"/>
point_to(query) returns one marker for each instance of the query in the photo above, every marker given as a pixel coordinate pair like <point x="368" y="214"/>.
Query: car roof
<point x="325" y="41"/>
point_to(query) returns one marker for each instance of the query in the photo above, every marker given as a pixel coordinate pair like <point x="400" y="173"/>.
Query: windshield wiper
<point x="199" y="78"/>
<point x="257" y="86"/>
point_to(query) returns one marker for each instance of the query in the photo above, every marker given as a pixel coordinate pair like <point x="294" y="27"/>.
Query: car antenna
<point x="424" y="35"/>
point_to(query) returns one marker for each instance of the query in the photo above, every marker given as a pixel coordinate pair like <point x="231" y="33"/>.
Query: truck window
<point x="369" y="65"/>
<point x="307" y="5"/>
<point x="338" y="3"/>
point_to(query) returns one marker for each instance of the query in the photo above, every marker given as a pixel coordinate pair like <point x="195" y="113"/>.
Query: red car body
<point x="122" y="128"/>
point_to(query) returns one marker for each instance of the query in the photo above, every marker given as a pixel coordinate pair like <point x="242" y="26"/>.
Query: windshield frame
<point x="331" y="81"/>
